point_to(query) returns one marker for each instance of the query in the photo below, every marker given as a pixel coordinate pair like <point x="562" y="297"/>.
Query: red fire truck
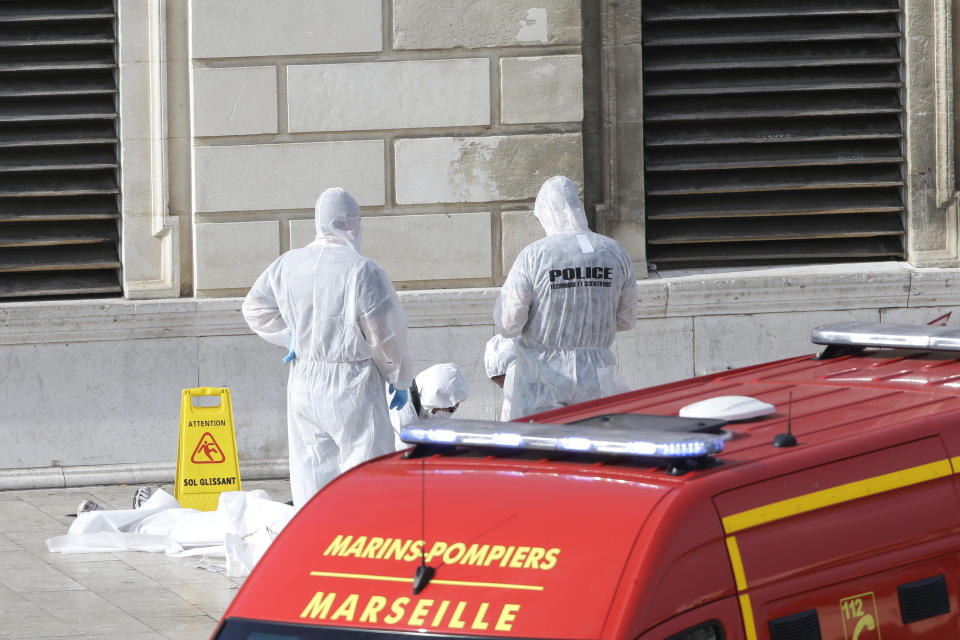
<point x="814" y="497"/>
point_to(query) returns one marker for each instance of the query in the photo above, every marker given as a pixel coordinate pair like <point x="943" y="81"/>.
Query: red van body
<point x="852" y="534"/>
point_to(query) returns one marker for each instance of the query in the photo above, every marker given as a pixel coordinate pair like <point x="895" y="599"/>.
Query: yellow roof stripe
<point x="837" y="495"/>
<point x="955" y="463"/>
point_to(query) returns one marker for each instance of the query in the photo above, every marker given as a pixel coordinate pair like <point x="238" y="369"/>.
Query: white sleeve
<point x="261" y="310"/>
<point x="498" y="353"/>
<point x="512" y="308"/>
<point x="384" y="326"/>
<point x="629" y="300"/>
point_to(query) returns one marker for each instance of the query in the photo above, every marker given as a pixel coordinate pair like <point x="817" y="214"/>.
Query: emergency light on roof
<point x="580" y="438"/>
<point x="896" y="336"/>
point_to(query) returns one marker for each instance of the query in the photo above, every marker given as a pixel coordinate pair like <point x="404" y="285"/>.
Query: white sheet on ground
<point x="243" y="526"/>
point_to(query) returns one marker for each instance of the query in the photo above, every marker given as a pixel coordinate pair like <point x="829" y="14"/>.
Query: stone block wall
<point x="92" y="387"/>
<point x="441" y="119"/>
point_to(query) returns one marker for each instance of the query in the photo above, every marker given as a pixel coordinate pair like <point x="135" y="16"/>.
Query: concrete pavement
<point x="109" y="596"/>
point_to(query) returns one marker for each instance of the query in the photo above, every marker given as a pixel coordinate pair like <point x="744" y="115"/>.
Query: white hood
<point x="441" y="386"/>
<point x="337" y="217"/>
<point x="558" y="207"/>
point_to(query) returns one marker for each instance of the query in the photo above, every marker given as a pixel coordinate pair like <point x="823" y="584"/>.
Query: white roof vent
<point x="730" y="408"/>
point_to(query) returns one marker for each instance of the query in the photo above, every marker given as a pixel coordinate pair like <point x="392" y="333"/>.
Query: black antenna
<point x="786" y="439"/>
<point x="423" y="574"/>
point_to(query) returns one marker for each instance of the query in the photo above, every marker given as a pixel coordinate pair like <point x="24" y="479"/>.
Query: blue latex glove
<point x="399" y="399"/>
<point x="291" y="354"/>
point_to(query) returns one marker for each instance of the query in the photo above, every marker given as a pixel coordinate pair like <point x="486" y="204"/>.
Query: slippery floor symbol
<point x="207" y="451"/>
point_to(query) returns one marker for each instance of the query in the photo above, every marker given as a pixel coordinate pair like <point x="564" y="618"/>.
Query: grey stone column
<point x="613" y="123"/>
<point x="931" y="194"/>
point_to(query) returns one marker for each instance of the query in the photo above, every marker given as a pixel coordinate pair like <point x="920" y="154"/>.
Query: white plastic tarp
<point x="240" y="530"/>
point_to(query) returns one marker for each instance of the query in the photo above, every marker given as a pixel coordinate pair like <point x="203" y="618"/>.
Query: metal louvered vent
<point x="772" y="131"/>
<point x="799" y="626"/>
<point x="58" y="149"/>
<point x="924" y="599"/>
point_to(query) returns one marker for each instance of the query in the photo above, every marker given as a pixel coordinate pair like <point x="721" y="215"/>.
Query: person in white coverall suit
<point x="440" y="390"/>
<point x="566" y="296"/>
<point x="341" y="319"/>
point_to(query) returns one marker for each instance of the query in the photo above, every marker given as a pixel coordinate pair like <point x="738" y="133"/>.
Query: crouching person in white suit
<point x="436" y="391"/>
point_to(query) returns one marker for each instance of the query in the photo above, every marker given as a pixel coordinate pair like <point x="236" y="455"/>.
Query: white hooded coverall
<point x="566" y="296"/>
<point x="350" y="336"/>
<point x="441" y="386"/>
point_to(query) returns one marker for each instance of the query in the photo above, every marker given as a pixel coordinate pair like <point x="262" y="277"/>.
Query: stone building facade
<point x="442" y="119"/>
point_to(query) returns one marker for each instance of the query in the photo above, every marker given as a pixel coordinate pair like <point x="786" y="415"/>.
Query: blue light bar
<point x="575" y="438"/>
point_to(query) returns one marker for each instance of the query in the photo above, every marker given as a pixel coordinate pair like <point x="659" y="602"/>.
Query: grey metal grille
<point x="924" y="599"/>
<point x="799" y="626"/>
<point x="58" y="149"/>
<point x="772" y="131"/>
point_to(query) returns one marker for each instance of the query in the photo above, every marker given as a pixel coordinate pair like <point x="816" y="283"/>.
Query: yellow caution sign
<point x="207" y="455"/>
